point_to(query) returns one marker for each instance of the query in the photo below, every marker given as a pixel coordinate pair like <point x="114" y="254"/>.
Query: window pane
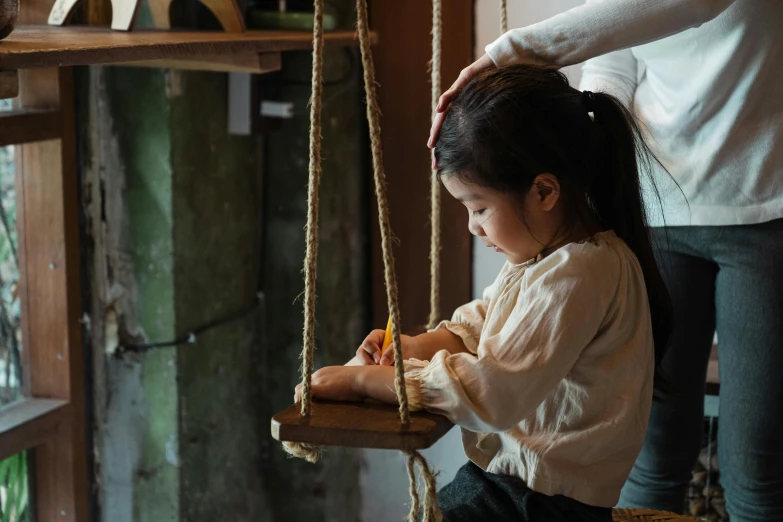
<point x="14" y="489"/>
<point x="10" y="333"/>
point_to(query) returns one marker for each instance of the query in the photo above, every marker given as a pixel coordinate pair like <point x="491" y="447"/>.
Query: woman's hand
<point x="444" y="104"/>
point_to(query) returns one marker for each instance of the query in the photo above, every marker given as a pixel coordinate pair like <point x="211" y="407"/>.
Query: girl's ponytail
<point x="622" y="155"/>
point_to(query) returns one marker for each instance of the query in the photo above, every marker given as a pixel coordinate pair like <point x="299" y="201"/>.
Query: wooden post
<point x="404" y="97"/>
<point x="47" y="224"/>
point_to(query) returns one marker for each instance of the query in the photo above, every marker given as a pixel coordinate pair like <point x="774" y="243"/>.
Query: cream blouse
<point x="558" y="385"/>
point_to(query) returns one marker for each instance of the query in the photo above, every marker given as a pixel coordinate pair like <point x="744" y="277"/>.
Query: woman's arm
<point x="614" y="73"/>
<point x="581" y="33"/>
<point x="600" y="27"/>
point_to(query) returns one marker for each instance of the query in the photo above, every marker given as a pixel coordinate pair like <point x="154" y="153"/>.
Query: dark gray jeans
<point x="477" y="496"/>
<point x="729" y="278"/>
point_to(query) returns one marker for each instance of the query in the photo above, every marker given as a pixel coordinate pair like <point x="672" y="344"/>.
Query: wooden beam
<point x="27" y="126"/>
<point x="28" y="423"/>
<point x="252" y="63"/>
<point x="9" y="84"/>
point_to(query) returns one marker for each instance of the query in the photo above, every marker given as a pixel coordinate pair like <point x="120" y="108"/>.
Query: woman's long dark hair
<point x="509" y="125"/>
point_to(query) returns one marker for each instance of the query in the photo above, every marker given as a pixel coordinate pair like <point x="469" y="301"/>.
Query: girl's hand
<point x="467" y="74"/>
<point x="337" y="383"/>
<point x="352" y="383"/>
<point x="410" y="350"/>
<point x="369" y="353"/>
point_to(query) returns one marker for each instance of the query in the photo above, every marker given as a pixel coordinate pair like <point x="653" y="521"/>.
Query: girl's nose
<point x="475" y="228"/>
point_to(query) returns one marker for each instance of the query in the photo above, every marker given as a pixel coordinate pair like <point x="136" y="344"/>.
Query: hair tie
<point x="589" y="100"/>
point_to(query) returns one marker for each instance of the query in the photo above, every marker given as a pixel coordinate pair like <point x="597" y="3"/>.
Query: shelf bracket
<point x="123" y="13"/>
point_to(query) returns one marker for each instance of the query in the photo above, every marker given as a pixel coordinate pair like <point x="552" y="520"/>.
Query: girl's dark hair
<point x="508" y="125"/>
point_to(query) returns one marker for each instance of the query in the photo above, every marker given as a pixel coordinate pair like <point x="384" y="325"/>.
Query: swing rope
<point x="435" y="193"/>
<point x="379" y="175"/>
<point x="503" y="16"/>
<point x="309" y="452"/>
<point x="431" y="511"/>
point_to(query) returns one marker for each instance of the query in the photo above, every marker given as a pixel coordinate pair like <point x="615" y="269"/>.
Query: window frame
<point x="50" y="421"/>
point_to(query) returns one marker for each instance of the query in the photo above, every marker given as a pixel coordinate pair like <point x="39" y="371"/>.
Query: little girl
<point x="550" y="375"/>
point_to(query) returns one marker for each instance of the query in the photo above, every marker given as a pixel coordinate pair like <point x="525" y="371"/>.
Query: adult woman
<point x="711" y="97"/>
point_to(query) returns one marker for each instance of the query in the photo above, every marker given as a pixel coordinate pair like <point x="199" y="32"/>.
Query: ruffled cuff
<point x="413" y="385"/>
<point x="427" y="384"/>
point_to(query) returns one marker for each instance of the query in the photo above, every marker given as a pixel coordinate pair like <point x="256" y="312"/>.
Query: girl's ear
<point x="546" y="189"/>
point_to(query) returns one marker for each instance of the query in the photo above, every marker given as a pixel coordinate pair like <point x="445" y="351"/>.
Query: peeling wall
<point x="181" y="228"/>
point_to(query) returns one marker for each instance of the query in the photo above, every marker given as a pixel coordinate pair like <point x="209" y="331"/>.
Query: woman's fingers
<point x="447" y="98"/>
<point x="437" y="123"/>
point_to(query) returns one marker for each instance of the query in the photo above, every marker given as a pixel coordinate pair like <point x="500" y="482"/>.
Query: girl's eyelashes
<point x="478" y="212"/>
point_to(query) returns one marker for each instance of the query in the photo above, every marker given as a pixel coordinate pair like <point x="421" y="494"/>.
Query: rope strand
<point x="503" y="16"/>
<point x="314" y="181"/>
<point x="431" y="511"/>
<point x="373" y="117"/>
<point x="435" y="192"/>
<point x="310" y="452"/>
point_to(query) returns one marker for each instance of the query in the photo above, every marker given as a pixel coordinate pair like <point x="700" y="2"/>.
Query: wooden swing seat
<point x="359" y="425"/>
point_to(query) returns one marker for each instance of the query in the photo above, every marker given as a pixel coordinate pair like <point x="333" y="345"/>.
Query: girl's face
<point x="495" y="217"/>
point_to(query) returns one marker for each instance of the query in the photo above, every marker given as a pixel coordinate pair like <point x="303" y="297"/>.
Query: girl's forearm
<point x="430" y="343"/>
<point x="376" y="382"/>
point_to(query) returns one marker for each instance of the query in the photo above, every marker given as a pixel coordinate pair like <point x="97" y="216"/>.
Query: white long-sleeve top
<point x="557" y="386"/>
<point x="710" y="94"/>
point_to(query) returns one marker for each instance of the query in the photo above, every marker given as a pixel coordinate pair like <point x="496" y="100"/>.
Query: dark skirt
<point x="476" y="495"/>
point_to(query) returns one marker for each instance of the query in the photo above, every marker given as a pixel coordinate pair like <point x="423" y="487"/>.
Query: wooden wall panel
<point x="401" y="59"/>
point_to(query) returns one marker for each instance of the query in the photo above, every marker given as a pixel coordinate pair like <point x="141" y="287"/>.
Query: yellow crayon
<point x="387" y="338"/>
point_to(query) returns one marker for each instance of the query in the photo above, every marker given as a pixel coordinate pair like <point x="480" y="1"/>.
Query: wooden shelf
<point x="44" y="46"/>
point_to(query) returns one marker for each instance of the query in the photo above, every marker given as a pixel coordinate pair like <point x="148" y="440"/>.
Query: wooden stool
<point x="648" y="515"/>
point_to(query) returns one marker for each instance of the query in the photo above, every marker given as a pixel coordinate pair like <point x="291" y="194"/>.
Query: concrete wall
<point x="182" y="229"/>
<point x="384" y="481"/>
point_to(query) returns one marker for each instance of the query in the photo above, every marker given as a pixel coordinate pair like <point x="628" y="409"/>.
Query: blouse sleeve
<point x="551" y="322"/>
<point x="600" y="27"/>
